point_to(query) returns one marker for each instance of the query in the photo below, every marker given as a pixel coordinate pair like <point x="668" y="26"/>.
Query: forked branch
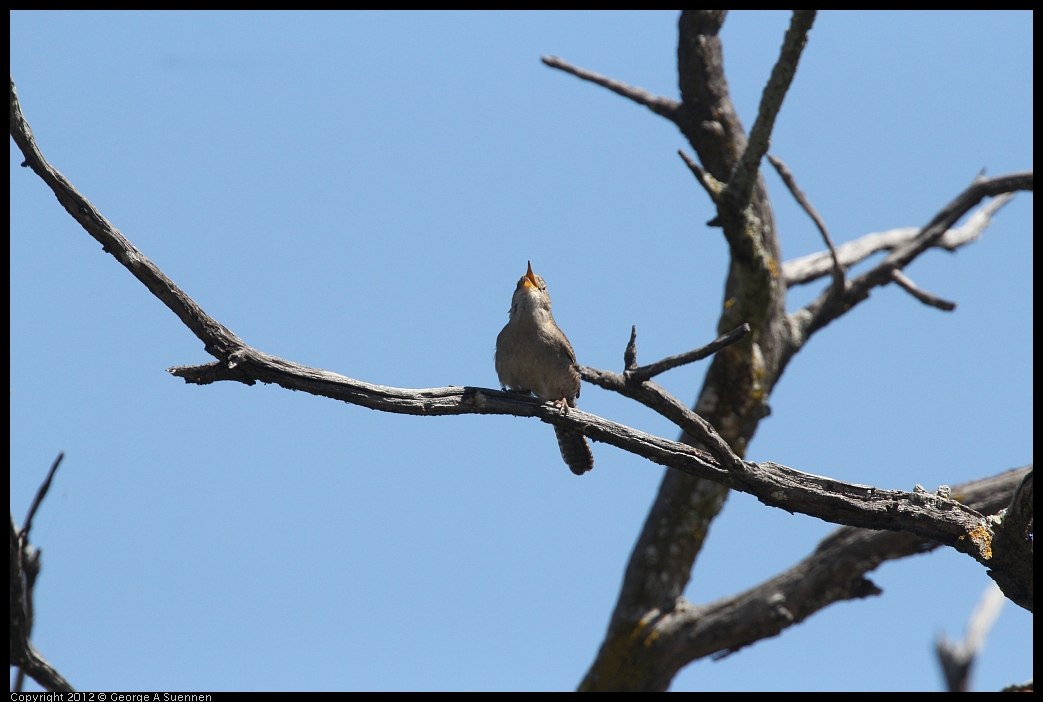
<point x="633" y="383"/>
<point x="642" y="373"/>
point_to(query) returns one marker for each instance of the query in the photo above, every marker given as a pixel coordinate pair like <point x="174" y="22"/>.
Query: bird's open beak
<point x="530" y="278"/>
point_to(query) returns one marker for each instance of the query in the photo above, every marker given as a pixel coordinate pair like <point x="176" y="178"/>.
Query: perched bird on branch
<point x="533" y="355"/>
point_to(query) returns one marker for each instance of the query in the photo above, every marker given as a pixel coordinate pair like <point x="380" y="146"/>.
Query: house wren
<point x="533" y="355"/>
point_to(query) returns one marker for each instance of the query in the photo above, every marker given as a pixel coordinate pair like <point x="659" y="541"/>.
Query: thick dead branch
<point x="810" y="268"/>
<point x="843" y="503"/>
<point x="1012" y="563"/>
<point x="802" y="199"/>
<point x="663" y="106"/>
<point x="671" y="637"/>
<point x="740" y="376"/>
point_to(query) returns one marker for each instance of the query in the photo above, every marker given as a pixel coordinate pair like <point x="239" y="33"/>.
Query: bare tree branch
<point x="741" y="377"/>
<point x="827" y="307"/>
<point x="906" y="283"/>
<point x="23" y="567"/>
<point x="630" y="352"/>
<point x="663" y="106"/>
<point x="932" y="517"/>
<point x="30" y="565"/>
<point x="40" y="494"/>
<point x="673" y="637"/>
<point x="113" y="242"/>
<point x="637" y="375"/>
<point x="740" y="184"/>
<point x="23" y="653"/>
<point x="634" y="383"/>
<point x="657" y="398"/>
<point x="1012" y="563"/>
<point x="980" y="189"/>
<point x="802" y="199"/>
<point x="775" y="485"/>
<point x="956" y="658"/>
<point x="809" y="268"/>
<point x="713" y="187"/>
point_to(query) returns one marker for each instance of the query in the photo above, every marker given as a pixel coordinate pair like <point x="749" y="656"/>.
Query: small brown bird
<point x="533" y="355"/>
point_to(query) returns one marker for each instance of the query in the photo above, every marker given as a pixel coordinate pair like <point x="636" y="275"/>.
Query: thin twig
<point x="663" y="106"/>
<point x="711" y="185"/>
<point x="630" y="352"/>
<point x="740" y="185"/>
<point x="40" y="494"/>
<point x="638" y="375"/>
<point x="923" y="296"/>
<point x="802" y="199"/>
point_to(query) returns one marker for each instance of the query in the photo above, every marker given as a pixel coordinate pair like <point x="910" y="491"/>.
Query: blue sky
<point x="360" y="193"/>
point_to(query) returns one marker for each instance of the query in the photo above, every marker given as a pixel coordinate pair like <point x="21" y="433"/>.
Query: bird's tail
<point x="574" y="450"/>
